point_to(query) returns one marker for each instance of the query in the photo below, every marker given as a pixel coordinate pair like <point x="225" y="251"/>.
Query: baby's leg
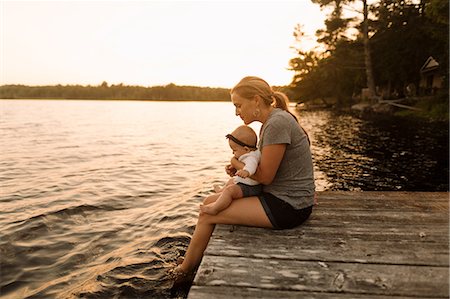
<point x="228" y="194"/>
<point x="219" y="189"/>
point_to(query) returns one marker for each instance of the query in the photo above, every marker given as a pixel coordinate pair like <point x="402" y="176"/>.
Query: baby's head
<point x="242" y="140"/>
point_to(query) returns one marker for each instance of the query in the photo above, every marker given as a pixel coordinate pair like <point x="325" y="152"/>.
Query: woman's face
<point x="244" y="108"/>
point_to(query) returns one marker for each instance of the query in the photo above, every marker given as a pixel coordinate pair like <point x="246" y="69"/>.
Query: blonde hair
<point x="251" y="86"/>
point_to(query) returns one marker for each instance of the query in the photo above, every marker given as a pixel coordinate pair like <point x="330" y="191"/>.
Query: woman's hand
<point x="230" y="170"/>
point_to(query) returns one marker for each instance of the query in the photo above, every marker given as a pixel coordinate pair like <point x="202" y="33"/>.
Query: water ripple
<point x="100" y="198"/>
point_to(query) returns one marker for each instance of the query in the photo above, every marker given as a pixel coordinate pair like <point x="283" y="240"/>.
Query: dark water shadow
<point x="383" y="153"/>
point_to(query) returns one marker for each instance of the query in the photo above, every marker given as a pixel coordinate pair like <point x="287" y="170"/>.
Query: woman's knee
<point x="204" y="218"/>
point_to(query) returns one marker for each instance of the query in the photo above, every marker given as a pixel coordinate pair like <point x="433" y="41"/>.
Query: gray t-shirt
<point x="294" y="180"/>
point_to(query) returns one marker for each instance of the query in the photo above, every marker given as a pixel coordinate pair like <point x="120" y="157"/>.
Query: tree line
<point x="391" y="41"/>
<point x="115" y="92"/>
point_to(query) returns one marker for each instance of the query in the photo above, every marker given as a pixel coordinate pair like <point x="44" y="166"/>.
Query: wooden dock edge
<point x="355" y="245"/>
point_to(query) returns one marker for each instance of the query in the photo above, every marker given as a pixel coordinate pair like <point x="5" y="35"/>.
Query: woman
<point x="285" y="170"/>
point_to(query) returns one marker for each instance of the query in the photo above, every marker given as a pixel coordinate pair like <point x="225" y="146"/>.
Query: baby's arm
<point x="243" y="173"/>
<point x="238" y="165"/>
<point x="250" y="166"/>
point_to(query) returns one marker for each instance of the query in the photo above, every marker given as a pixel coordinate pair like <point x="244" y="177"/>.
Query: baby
<point x="245" y="160"/>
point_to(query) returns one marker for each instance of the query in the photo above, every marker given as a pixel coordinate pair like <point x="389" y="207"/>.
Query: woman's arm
<point x="271" y="156"/>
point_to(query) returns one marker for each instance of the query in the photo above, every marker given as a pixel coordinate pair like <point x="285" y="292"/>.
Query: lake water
<point x="99" y="198"/>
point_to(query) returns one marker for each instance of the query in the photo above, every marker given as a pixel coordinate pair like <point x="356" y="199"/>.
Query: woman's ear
<point x="257" y="99"/>
<point x="247" y="149"/>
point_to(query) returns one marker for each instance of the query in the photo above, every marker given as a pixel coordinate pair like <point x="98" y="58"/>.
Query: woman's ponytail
<point x="281" y="100"/>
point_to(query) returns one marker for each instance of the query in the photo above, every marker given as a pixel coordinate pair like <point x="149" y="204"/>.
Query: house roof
<point x="429" y="65"/>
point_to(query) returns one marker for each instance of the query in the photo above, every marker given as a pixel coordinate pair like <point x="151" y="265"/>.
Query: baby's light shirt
<point x="251" y="161"/>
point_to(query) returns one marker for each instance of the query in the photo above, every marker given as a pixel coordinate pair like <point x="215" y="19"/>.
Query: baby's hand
<point x="230" y="170"/>
<point x="242" y="173"/>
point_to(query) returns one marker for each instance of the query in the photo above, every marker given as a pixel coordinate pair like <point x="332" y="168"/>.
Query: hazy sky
<point x="202" y="43"/>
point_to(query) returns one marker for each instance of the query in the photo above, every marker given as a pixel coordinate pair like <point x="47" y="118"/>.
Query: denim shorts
<point x="250" y="190"/>
<point x="281" y="214"/>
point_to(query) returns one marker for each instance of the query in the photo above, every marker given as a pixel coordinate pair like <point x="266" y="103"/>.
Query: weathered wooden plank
<point x="326" y="228"/>
<point x="305" y="247"/>
<point x="382" y="195"/>
<point x="385" y="205"/>
<point x="330" y="197"/>
<point x="351" y="278"/>
<point x="376" y="220"/>
<point x="371" y="227"/>
<point x="421" y="201"/>
<point x="355" y="245"/>
<point x="380" y="215"/>
<point x="220" y="292"/>
<point x="432" y="234"/>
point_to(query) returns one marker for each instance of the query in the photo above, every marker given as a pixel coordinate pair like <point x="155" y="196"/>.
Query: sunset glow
<point x="201" y="43"/>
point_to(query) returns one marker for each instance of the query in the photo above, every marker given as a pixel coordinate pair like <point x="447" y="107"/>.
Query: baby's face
<point x="238" y="150"/>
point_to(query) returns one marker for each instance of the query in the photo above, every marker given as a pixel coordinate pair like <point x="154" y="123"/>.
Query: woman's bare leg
<point x="245" y="211"/>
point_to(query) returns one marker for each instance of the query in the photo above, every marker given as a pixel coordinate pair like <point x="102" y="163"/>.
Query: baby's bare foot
<point x="209" y="209"/>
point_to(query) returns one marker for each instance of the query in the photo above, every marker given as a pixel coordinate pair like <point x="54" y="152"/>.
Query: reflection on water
<point x="99" y="198"/>
<point x="383" y="154"/>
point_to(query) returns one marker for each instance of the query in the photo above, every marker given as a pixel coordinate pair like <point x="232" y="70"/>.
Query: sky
<point x="148" y="43"/>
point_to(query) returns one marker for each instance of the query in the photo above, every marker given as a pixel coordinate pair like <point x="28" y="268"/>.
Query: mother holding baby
<point x="285" y="171"/>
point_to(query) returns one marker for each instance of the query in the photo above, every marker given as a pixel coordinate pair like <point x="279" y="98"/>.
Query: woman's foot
<point x="209" y="209"/>
<point x="180" y="260"/>
<point x="180" y="276"/>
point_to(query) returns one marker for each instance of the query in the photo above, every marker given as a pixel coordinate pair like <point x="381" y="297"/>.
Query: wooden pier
<point x="355" y="245"/>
